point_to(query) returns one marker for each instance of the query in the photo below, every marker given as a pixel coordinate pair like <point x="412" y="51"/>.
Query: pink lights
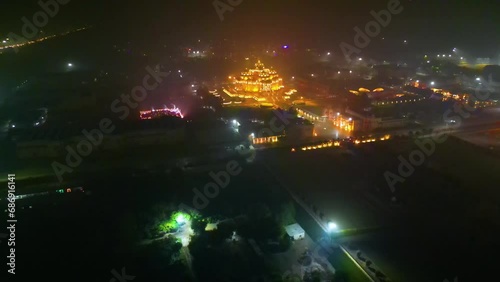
<point x="156" y="113"/>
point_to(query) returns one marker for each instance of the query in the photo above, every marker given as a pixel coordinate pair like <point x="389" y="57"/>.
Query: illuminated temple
<point x="258" y="79"/>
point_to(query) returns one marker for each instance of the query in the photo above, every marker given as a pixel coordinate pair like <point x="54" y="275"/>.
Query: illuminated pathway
<point x="24" y="44"/>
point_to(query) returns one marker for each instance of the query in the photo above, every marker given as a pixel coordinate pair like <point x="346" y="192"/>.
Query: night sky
<point x="431" y="24"/>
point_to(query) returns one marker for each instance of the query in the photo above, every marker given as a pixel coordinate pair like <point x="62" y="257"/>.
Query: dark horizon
<point x="433" y="25"/>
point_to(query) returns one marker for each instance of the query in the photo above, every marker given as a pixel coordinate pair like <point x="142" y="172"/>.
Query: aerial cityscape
<point x="259" y="141"/>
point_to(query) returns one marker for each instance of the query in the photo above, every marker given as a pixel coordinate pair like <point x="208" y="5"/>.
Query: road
<point x="12" y="44"/>
<point x="334" y="185"/>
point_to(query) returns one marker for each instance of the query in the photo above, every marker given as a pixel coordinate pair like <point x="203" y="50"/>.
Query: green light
<point x="180" y="219"/>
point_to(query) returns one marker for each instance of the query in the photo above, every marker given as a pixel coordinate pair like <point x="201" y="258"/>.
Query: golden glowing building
<point x="258" y="79"/>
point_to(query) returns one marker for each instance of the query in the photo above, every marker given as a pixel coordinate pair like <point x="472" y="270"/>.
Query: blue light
<point x="285" y="47"/>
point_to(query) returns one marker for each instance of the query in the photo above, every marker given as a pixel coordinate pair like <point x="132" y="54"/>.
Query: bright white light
<point x="478" y="79"/>
<point x="192" y="85"/>
<point x="428" y="62"/>
<point x="432" y="83"/>
<point x="449" y="56"/>
<point x="332" y="226"/>
<point x="350" y="71"/>
<point x="439" y="56"/>
<point x="13" y="126"/>
<point x="338" y="114"/>
<point x="70" y="64"/>
<point x="328" y="53"/>
<point x="338" y="72"/>
<point x="293" y="77"/>
<point x="360" y="59"/>
<point x="180" y="219"/>
<point x="252" y="135"/>
<point x="461" y="58"/>
<point x="350" y="119"/>
<point x="4" y="41"/>
<point x="179" y="71"/>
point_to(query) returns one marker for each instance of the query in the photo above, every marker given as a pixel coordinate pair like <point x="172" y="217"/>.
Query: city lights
<point x="258" y="79"/>
<point x="156" y="113"/>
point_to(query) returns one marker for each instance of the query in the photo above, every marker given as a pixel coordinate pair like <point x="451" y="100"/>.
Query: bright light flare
<point x="180" y="219"/>
<point x="332" y="226"/>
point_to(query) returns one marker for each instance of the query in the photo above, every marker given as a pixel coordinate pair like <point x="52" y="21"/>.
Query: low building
<point x="368" y="122"/>
<point x="295" y="231"/>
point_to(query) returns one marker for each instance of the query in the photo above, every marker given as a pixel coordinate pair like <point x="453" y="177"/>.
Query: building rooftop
<point x="294" y="230"/>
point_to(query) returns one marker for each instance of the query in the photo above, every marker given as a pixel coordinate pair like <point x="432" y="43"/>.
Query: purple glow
<point x="175" y="111"/>
<point x="285" y="47"/>
<point x="154" y="113"/>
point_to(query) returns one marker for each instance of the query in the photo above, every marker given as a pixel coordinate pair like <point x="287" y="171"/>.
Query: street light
<point x="70" y="64"/>
<point x="332" y="226"/>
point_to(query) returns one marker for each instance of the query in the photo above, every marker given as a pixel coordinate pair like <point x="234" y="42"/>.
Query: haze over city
<point x="238" y="140"/>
